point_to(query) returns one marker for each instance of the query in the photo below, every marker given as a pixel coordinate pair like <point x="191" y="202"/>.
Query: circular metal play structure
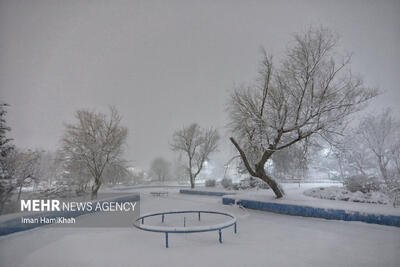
<point x="139" y="223"/>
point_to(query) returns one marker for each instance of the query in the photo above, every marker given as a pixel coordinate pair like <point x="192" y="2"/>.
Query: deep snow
<point x="263" y="239"/>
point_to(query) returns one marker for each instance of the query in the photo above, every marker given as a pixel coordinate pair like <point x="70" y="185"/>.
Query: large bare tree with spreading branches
<point x="95" y="142"/>
<point x="310" y="93"/>
<point x="197" y="144"/>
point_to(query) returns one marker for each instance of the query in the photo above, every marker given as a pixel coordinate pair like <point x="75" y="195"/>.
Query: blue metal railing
<point x="139" y="223"/>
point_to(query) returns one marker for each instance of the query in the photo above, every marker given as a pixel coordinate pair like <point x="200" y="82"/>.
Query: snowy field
<point x="263" y="239"/>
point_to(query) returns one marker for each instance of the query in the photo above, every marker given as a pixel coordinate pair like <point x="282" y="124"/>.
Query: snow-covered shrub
<point x="210" y="183"/>
<point x="249" y="183"/>
<point x="244" y="184"/>
<point x="362" y="183"/>
<point x="226" y="183"/>
<point x="339" y="193"/>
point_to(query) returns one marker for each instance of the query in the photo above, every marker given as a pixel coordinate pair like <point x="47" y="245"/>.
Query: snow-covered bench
<point x="159" y="194"/>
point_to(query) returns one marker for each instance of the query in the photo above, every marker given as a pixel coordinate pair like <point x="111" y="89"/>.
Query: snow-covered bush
<point x="226" y="183"/>
<point x="362" y="183"/>
<point x="339" y="193"/>
<point x="210" y="183"/>
<point x="244" y="184"/>
<point x="249" y="183"/>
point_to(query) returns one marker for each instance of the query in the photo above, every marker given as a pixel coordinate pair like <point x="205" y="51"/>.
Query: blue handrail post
<point x="162" y="218"/>
<point x="184" y="221"/>
<point x="234" y="227"/>
<point x="166" y="239"/>
<point x="220" y="236"/>
<point x="142" y="220"/>
<point x="199" y="215"/>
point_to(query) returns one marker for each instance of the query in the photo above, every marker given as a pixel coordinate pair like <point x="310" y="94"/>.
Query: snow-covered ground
<point x="263" y="239"/>
<point x="295" y="195"/>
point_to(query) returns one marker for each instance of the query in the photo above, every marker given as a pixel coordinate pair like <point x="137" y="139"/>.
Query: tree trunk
<point x="259" y="170"/>
<point x="19" y="192"/>
<point x="271" y="182"/>
<point x="382" y="168"/>
<point x="191" y="181"/>
<point x="190" y="173"/>
<point x="95" y="188"/>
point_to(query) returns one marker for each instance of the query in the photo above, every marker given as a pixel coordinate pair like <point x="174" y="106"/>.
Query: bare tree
<point x="197" y="144"/>
<point x="379" y="136"/>
<point x="394" y="186"/>
<point x="95" y="142"/>
<point x="372" y="149"/>
<point x="179" y="170"/>
<point x="26" y="169"/>
<point x="76" y="175"/>
<point x="136" y="175"/>
<point x="116" y="173"/>
<point x="160" y="167"/>
<point x="379" y="133"/>
<point x="310" y="93"/>
<point x="7" y="166"/>
<point x="395" y="155"/>
<point x="50" y="167"/>
<point x="355" y="156"/>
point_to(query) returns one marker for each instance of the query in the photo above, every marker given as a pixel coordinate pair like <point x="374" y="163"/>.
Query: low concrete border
<point x="14" y="225"/>
<point x="307" y="211"/>
<point x="204" y="193"/>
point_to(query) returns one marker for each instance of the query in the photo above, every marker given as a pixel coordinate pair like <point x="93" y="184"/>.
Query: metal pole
<point x="235" y="228"/>
<point x="199" y="215"/>
<point x="162" y="218"/>
<point x="142" y="220"/>
<point x="166" y="239"/>
<point x="220" y="236"/>
<point x="184" y="221"/>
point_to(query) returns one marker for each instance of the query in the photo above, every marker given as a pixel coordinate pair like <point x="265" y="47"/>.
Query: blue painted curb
<point x="307" y="211"/>
<point x="204" y="193"/>
<point x="14" y="225"/>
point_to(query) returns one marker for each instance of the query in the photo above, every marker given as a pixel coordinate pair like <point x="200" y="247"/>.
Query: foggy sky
<point x="165" y="65"/>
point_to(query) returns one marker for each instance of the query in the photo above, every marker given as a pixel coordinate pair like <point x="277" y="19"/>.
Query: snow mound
<point x="246" y="184"/>
<point x="339" y="193"/>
